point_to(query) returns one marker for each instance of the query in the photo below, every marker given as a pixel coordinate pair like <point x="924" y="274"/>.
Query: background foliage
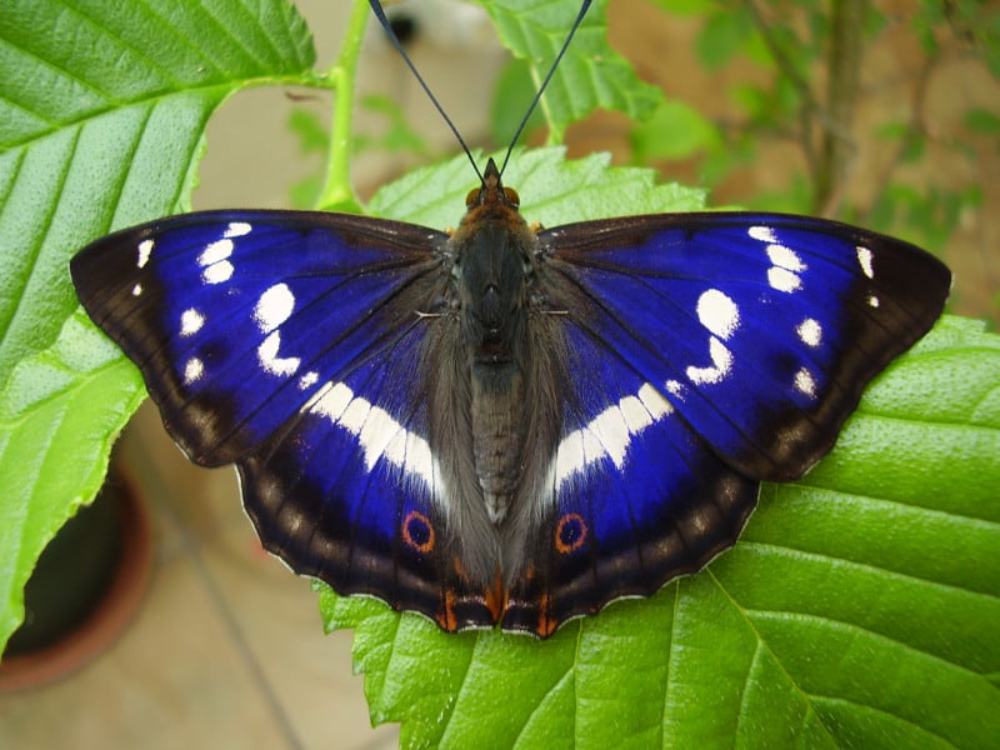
<point x="860" y="607"/>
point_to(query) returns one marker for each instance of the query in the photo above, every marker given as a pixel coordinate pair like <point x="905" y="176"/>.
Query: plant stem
<point x="808" y="107"/>
<point x="843" y="74"/>
<point x="338" y="190"/>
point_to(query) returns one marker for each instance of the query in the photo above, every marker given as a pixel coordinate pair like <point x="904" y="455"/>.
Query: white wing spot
<point x="637" y="417"/>
<point x="872" y="300"/>
<point x="612" y="431"/>
<point x="355" y="414"/>
<point x="810" y="332"/>
<point x="675" y="388"/>
<point x="805" y="382"/>
<point x="378" y="433"/>
<point x="308" y="380"/>
<point x="569" y="456"/>
<point x="718" y="313"/>
<point x="145" y="250"/>
<point x="592" y="448"/>
<point x="218" y="272"/>
<point x="191" y="322"/>
<point x="722" y="363"/>
<point x="237" y="229"/>
<point x="267" y="353"/>
<point x="395" y="450"/>
<point x="762" y="234"/>
<point x="213" y="258"/>
<point x="193" y="370"/>
<point x="215" y="252"/>
<point x="274" y="307"/>
<point x="137" y="290"/>
<point x="609" y="433"/>
<point x="333" y="401"/>
<point x="785" y="257"/>
<point x="657" y="406"/>
<point x="783" y="280"/>
<point x="419" y="459"/>
<point x="865" y="261"/>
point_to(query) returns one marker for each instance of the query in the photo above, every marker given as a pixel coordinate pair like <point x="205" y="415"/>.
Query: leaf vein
<point x="32" y="112"/>
<point x="104" y="95"/>
<point x="854" y="628"/>
<point x="824" y="699"/>
<point x="743" y="612"/>
<point x="29" y="259"/>
<point x="745" y="693"/>
<point x="130" y="160"/>
<point x="199" y="51"/>
<point x="869" y="567"/>
<point x="136" y="51"/>
<point x="238" y="43"/>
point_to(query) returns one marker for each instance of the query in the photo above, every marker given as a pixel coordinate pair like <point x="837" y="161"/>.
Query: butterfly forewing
<point x="762" y="330"/>
<point x="237" y="319"/>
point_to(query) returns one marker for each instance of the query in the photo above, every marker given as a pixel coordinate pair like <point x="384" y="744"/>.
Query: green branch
<point x="337" y="189"/>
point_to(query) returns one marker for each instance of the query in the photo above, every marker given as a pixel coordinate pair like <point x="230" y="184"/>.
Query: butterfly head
<point x="492" y="192"/>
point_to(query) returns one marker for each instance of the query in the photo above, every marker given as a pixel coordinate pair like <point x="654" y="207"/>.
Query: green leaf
<point x="686" y="7"/>
<point x="676" y="131"/>
<point x="552" y="191"/>
<point x="102" y="115"/>
<point x="591" y="74"/>
<point x="859" y="609"/>
<point x="399" y="136"/>
<point x="511" y="96"/>
<point x="722" y="37"/>
<point x="980" y="120"/>
<point x="308" y="128"/>
<point x="51" y="409"/>
<point x="102" y="110"/>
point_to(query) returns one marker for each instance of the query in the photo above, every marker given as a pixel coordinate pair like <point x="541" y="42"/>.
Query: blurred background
<point x="771" y="105"/>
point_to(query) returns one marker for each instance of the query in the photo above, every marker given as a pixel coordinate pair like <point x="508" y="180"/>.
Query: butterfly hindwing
<point x="762" y="330"/>
<point x="237" y="318"/>
<point x="637" y="498"/>
<point x="349" y="492"/>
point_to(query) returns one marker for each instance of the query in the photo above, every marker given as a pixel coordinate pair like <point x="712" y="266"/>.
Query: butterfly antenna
<point x="534" y="103"/>
<point x="380" y="15"/>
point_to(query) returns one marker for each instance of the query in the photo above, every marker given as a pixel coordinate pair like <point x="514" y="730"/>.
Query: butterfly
<point x="504" y="423"/>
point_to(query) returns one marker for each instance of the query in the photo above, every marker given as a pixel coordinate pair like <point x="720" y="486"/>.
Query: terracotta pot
<point x="85" y="589"/>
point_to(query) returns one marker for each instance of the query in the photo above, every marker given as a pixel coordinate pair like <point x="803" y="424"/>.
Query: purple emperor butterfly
<point x="504" y="424"/>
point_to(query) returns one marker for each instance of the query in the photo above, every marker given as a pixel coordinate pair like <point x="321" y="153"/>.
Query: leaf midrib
<point x="219" y="89"/>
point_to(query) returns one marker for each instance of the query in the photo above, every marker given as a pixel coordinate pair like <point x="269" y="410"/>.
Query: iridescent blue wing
<point x="349" y="491"/>
<point x="237" y="318"/>
<point x="716" y="350"/>
<point x="287" y="342"/>
<point x="762" y="330"/>
<point x="636" y="498"/>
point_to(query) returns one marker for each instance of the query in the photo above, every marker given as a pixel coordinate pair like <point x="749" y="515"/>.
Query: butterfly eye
<point x="472" y="198"/>
<point x="512" y="197"/>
